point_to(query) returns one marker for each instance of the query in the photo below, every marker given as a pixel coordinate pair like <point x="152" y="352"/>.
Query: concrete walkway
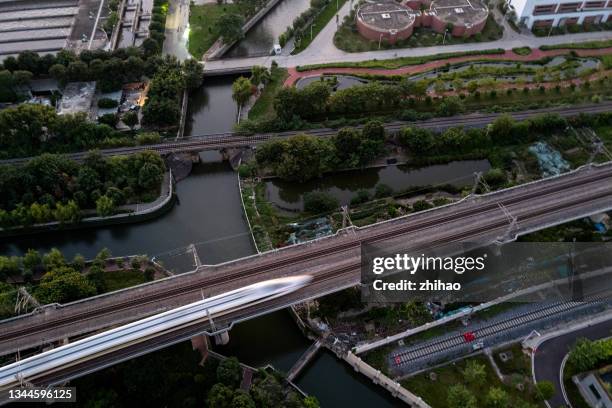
<point x="177" y="23"/>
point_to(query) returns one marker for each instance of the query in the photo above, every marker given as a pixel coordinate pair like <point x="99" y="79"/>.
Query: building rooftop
<point x="460" y="12"/>
<point x="386" y="16"/>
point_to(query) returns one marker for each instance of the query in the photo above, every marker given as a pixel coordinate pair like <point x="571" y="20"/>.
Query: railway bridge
<point x="224" y="142"/>
<point x="333" y="262"/>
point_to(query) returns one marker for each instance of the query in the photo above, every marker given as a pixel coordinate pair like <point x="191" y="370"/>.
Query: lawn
<point x="400" y="62"/>
<point x="320" y="21"/>
<point x="520" y="363"/>
<point x="589" y="45"/>
<point x="435" y="392"/>
<point x="264" y="107"/>
<point x="116" y="280"/>
<point x="202" y="31"/>
<point x="347" y="38"/>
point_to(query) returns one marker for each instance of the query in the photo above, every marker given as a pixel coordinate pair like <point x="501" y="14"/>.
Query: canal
<point x="260" y="39"/>
<point x="344" y="185"/>
<point x="209" y="212"/>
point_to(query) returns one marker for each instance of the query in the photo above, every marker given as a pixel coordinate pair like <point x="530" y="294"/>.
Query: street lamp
<point x="379" y="40"/>
<point x="444" y="39"/>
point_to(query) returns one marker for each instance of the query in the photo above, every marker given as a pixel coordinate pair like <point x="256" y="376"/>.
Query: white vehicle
<point x="277" y="49"/>
<point x="478" y="345"/>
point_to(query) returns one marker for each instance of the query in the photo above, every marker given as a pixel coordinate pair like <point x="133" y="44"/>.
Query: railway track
<point x="234" y="140"/>
<point x="308" y="255"/>
<point x="483" y="332"/>
<point x="168" y="293"/>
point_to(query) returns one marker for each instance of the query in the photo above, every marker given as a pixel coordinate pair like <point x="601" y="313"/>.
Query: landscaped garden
<point x="470" y="383"/>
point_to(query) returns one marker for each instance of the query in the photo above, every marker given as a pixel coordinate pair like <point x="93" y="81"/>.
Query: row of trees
<point x="503" y="131"/>
<point x="316" y="100"/>
<point x="29" y="129"/>
<point x="304" y="157"/>
<point x="62" y="280"/>
<point x="163" y="106"/>
<point x="52" y="187"/>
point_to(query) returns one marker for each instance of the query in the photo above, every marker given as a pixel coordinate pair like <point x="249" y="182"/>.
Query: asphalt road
<point x="550" y="354"/>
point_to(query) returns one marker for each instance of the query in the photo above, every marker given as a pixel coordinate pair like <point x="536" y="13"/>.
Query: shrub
<point x="320" y="202"/>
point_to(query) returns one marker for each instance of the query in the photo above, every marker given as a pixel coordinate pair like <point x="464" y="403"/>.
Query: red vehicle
<point x="469" y="336"/>
<point x="398" y="360"/>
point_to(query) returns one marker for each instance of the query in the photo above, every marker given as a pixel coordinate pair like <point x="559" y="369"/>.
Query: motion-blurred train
<point x="31" y="368"/>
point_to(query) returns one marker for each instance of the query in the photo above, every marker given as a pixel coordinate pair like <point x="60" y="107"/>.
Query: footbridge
<point x="333" y="262"/>
<point x="234" y="140"/>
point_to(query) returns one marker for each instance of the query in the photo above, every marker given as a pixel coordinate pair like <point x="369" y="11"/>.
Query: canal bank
<point x="209" y="212"/>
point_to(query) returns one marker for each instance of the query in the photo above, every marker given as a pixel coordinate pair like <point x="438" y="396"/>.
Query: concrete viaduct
<point x="334" y="262"/>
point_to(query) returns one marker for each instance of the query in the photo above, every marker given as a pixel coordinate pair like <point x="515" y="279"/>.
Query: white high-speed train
<point x="47" y="362"/>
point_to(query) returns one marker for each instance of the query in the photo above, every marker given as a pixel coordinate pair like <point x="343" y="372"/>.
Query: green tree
<point x="460" y="397"/>
<point x="150" y="176"/>
<point x="67" y="214"/>
<point x="303" y="158"/>
<point x="229" y="372"/>
<point x="220" y="396"/>
<point x="475" y="372"/>
<point x="229" y="26"/>
<point x="347" y="144"/>
<point x="317" y="202"/>
<point x="242" y="400"/>
<point x="311" y="402"/>
<point x="267" y="392"/>
<point x="450" y="106"/>
<point x="193" y="72"/>
<point x="242" y="89"/>
<point x="382" y="190"/>
<point x="105" y="206"/>
<point x="501" y="128"/>
<point x="53" y="259"/>
<point x="586" y="354"/>
<point x="130" y="119"/>
<point x="32" y="260"/>
<point x="63" y="285"/>
<point x="545" y="390"/>
<point x="497" y="398"/>
<point x="418" y="140"/>
<point x="420" y="205"/>
<point x="9" y="266"/>
<point x="259" y="75"/>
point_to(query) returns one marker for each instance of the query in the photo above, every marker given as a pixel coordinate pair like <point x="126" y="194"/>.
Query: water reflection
<point x="344" y="185"/>
<point x="260" y="39"/>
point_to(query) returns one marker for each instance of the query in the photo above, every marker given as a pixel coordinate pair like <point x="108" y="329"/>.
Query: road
<point x="334" y="261"/>
<point x="322" y="50"/>
<point x="235" y="140"/>
<point x="177" y="30"/>
<point x="550" y="354"/>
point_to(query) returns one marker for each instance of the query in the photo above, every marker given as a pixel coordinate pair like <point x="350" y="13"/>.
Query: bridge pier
<point x="195" y="157"/>
<point x="222" y="338"/>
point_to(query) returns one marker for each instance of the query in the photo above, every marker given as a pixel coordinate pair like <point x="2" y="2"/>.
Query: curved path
<point x="549" y="355"/>
<point x="536" y="54"/>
